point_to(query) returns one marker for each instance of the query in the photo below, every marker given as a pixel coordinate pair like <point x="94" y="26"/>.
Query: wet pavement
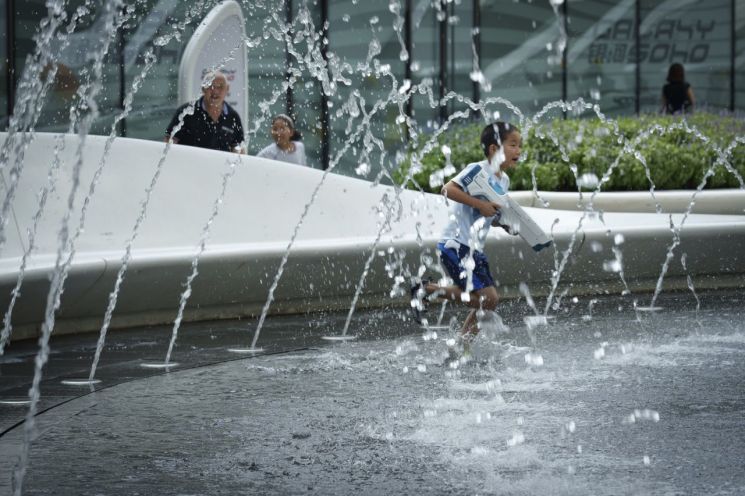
<point x="602" y="401"/>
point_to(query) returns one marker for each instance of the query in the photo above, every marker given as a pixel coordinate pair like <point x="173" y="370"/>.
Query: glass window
<point x="460" y="53"/>
<point x="519" y="53"/>
<point x="71" y="63"/>
<point x="267" y="64"/>
<point x="425" y="66"/>
<point x="697" y="36"/>
<point x="740" y="57"/>
<point x="306" y="90"/>
<point x="601" y="56"/>
<point x="3" y="64"/>
<point x="156" y="99"/>
<point x="362" y="37"/>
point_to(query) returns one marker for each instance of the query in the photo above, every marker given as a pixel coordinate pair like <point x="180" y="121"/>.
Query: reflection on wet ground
<point x="616" y="403"/>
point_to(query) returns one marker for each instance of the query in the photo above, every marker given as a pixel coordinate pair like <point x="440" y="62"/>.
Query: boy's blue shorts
<point x="452" y="260"/>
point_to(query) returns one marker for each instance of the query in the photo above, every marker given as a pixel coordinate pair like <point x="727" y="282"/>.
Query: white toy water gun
<point x="477" y="184"/>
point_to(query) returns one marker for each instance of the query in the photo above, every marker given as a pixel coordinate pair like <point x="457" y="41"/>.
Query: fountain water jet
<point x="150" y="60"/>
<point x="53" y="299"/>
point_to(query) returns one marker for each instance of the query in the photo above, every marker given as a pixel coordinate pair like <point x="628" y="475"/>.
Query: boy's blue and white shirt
<point x="465" y="224"/>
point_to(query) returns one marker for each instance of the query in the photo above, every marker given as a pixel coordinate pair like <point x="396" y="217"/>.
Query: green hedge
<point x="677" y="159"/>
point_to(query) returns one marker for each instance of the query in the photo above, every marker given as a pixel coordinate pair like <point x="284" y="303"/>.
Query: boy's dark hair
<point x="495" y="134"/>
<point x="676" y="73"/>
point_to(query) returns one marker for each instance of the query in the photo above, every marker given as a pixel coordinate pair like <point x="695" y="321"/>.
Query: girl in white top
<point x="286" y="146"/>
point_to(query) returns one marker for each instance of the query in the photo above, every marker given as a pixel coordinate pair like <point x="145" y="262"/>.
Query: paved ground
<point x="617" y="403"/>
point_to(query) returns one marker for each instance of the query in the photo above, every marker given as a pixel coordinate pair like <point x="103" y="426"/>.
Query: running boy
<point x="463" y="238"/>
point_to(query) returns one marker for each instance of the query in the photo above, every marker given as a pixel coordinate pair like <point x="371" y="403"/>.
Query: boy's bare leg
<point x="486" y="298"/>
<point x="482" y="299"/>
<point x="469" y="330"/>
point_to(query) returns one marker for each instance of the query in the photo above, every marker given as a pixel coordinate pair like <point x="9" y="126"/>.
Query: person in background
<point x="214" y="124"/>
<point x="677" y="95"/>
<point x="287" y="146"/>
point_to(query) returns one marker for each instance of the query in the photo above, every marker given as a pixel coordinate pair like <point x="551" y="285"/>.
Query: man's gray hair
<point x="211" y="76"/>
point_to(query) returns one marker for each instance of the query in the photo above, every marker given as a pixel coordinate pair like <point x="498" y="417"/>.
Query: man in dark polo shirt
<point x="214" y="124"/>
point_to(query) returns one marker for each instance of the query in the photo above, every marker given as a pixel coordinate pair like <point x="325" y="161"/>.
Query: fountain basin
<point x="659" y="411"/>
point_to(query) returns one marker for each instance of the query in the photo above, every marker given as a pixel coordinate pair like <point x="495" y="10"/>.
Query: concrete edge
<point x="713" y="201"/>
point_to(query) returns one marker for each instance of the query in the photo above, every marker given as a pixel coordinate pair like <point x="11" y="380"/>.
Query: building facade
<point x="333" y="52"/>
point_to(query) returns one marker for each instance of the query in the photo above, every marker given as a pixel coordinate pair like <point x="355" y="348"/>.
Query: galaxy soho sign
<point x="666" y="41"/>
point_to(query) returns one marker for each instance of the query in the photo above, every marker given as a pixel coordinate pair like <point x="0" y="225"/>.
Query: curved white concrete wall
<point x="715" y="201"/>
<point x="263" y="204"/>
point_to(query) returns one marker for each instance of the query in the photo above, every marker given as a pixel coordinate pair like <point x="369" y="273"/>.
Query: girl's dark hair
<point x="296" y="136"/>
<point x="676" y="74"/>
<point x="495" y="134"/>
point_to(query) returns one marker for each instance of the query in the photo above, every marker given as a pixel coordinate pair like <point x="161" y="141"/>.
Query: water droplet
<point x="588" y="180"/>
<point x="612" y="266"/>
<point x="534" y="359"/>
<point x="405" y="86"/>
<point x="534" y="321"/>
<point x="517" y="438"/>
<point x="436" y="179"/>
<point x="477" y="76"/>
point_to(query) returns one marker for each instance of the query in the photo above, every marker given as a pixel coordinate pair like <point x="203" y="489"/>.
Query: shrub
<point x="677" y="153"/>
